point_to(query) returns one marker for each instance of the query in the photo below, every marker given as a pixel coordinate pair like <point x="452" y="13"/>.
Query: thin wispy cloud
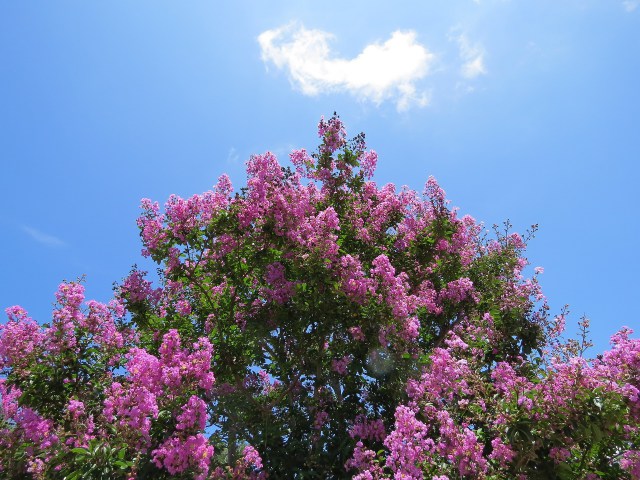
<point x="472" y="56"/>
<point x="233" y="156"/>
<point x="382" y="71"/>
<point x="630" y="5"/>
<point x="43" y="238"/>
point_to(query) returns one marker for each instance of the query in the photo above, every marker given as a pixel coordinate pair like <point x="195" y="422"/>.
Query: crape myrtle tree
<point x="316" y="325"/>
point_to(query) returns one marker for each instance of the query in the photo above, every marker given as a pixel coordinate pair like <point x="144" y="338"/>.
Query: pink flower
<point x="75" y="408"/>
<point x="320" y="419"/>
<point x="357" y="333"/>
<point x="177" y="455"/>
<point x="252" y="457"/>
<point x="340" y="365"/>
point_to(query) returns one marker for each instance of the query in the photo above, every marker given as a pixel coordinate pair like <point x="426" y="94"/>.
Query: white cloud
<point x="43" y="238"/>
<point x="387" y="71"/>
<point x="630" y="5"/>
<point x="472" y="56"/>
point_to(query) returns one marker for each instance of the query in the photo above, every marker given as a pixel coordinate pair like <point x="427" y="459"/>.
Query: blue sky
<point x="523" y="110"/>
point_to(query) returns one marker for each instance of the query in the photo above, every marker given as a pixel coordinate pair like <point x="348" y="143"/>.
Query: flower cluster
<point x="512" y="420"/>
<point x="110" y="390"/>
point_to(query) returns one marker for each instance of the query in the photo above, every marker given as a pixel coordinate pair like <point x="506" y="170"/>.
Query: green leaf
<point x="564" y="471"/>
<point x="596" y="433"/>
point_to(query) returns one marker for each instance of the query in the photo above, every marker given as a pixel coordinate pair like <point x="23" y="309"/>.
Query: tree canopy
<point x="314" y="324"/>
